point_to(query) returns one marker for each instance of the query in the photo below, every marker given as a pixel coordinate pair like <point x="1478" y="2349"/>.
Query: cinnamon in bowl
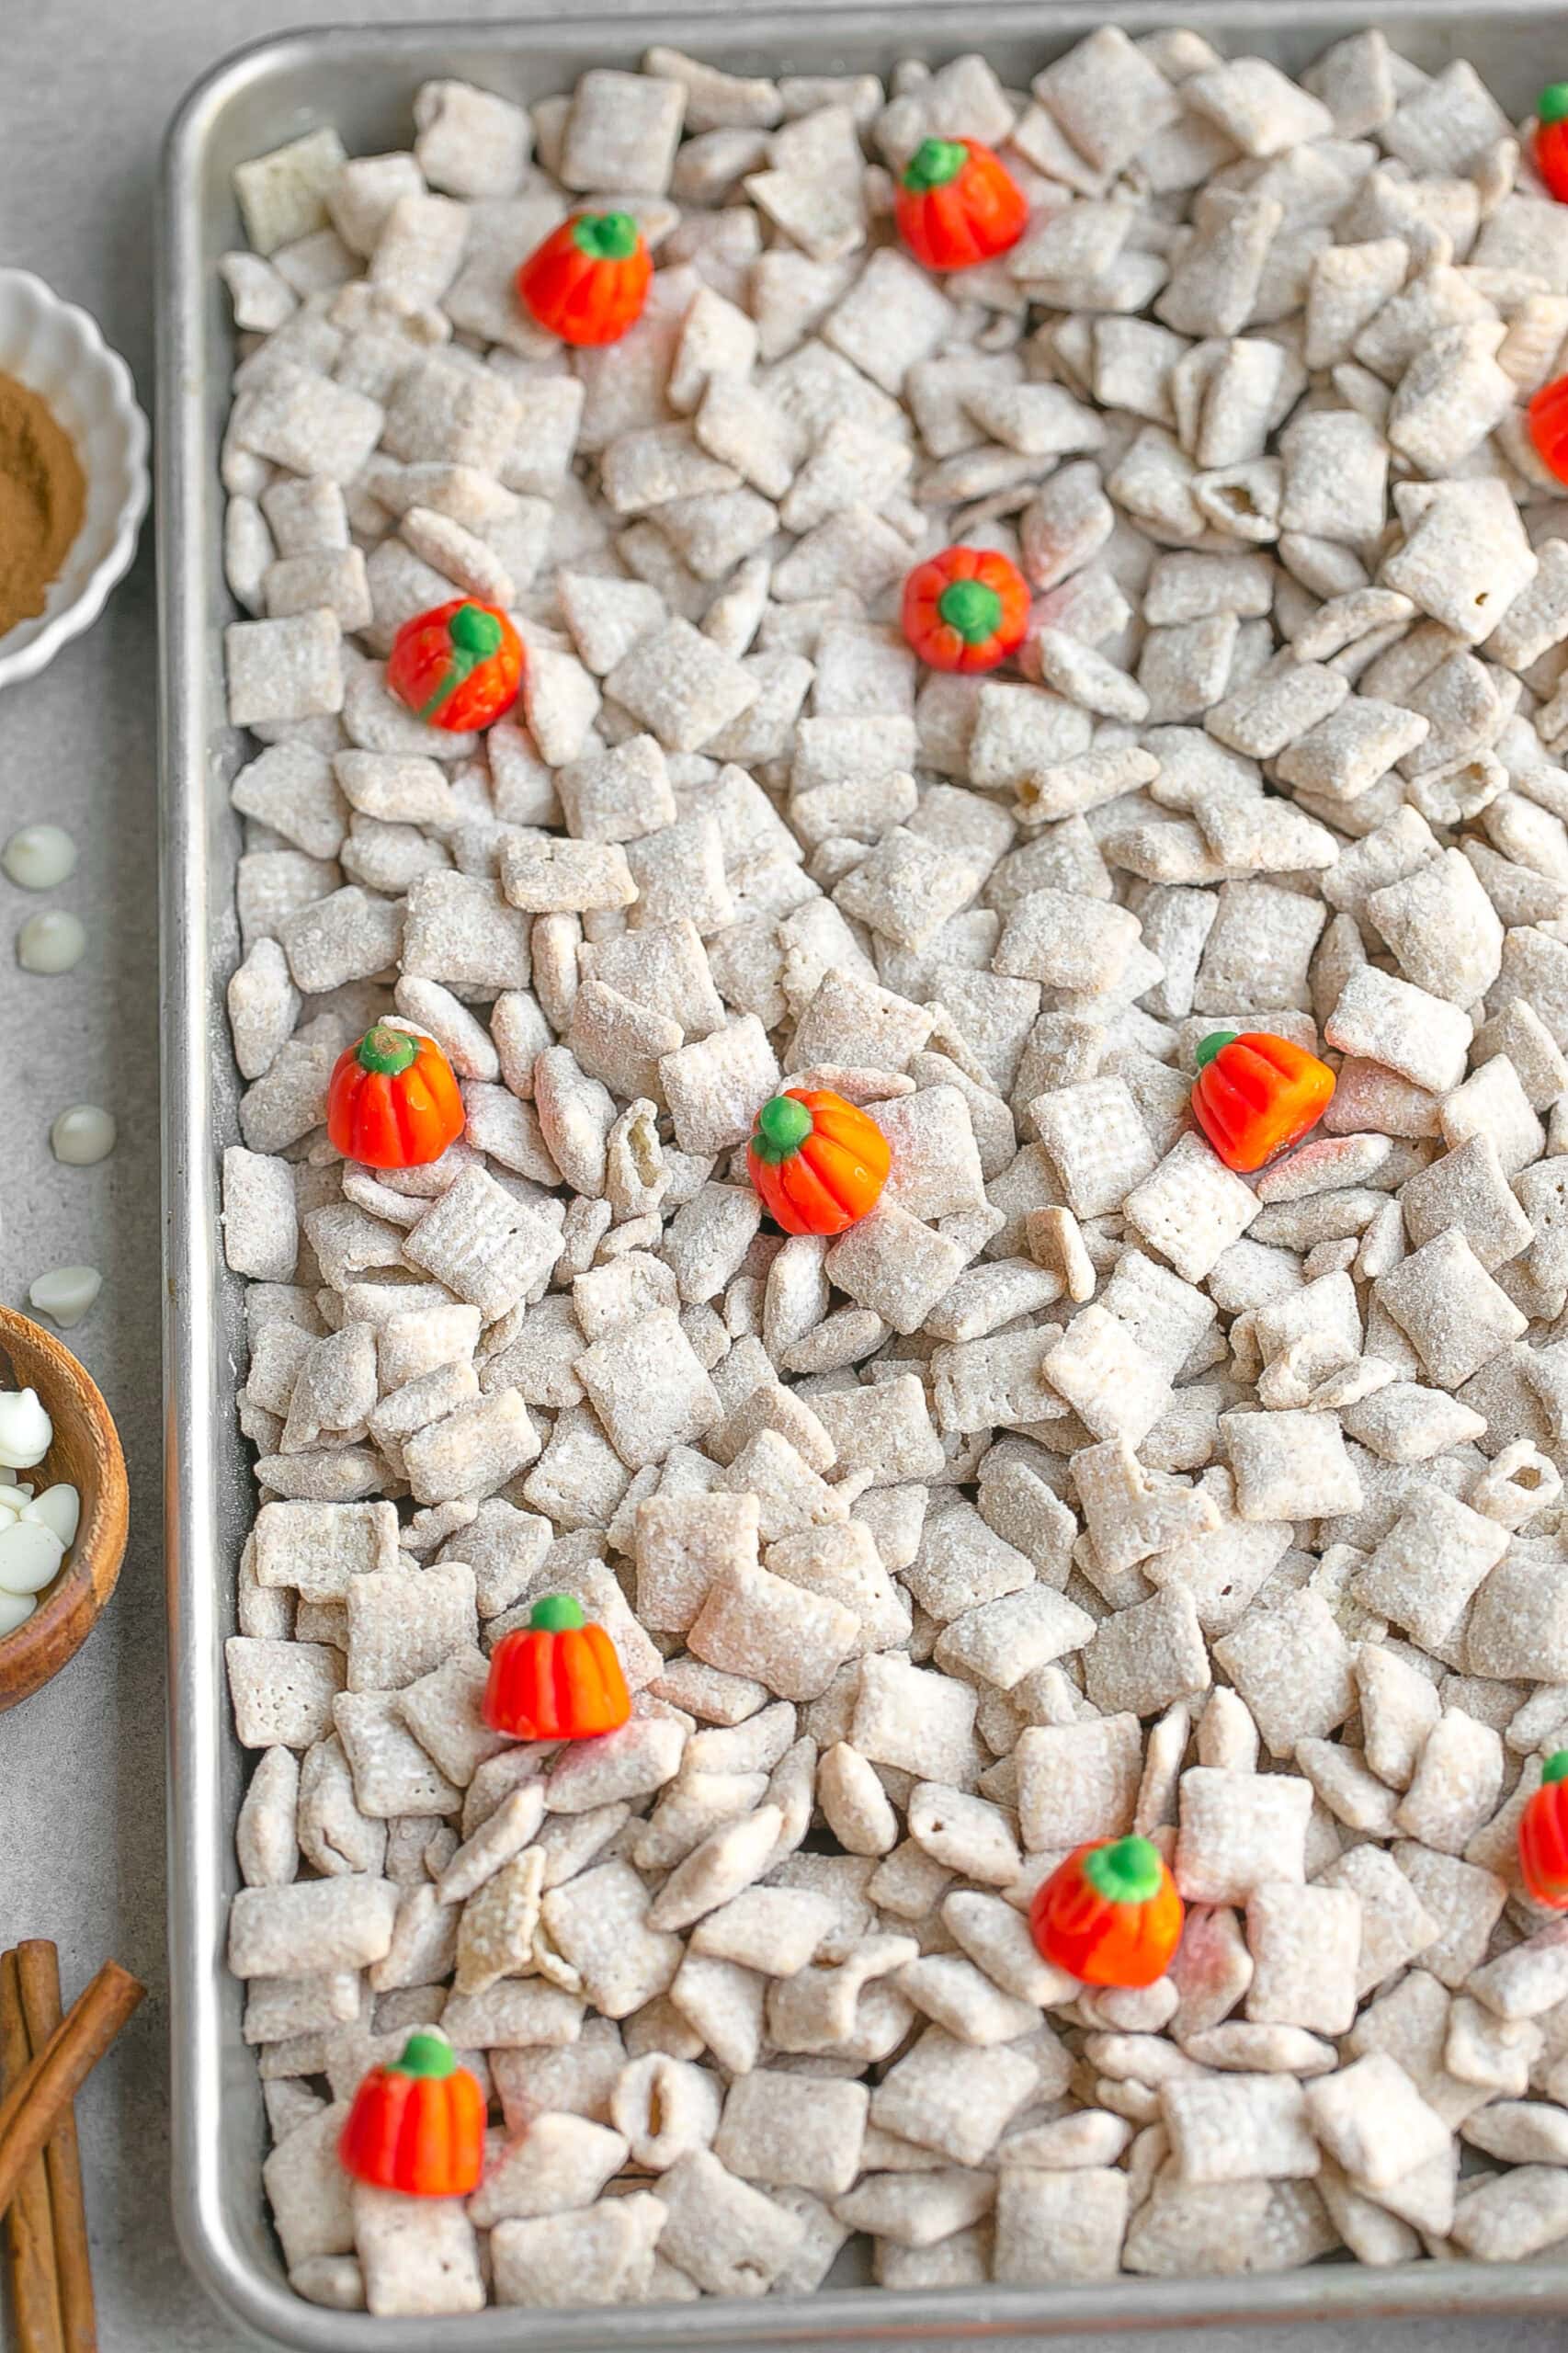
<point x="42" y="498"/>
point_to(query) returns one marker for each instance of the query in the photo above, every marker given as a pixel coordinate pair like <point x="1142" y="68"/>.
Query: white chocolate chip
<point x="65" y="1294"/>
<point x="82" y="1136"/>
<point x="26" y="1432"/>
<point x="52" y="941"/>
<point x="39" y="857"/>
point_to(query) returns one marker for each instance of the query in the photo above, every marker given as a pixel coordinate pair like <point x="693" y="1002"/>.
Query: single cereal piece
<point x="1373" y="2122"/>
<point x="282" y="1691"/>
<point x="895" y="1264"/>
<point x="311" y="1926"/>
<point x="1238" y="1832"/>
<point x="264" y="1835"/>
<point x="1192" y="1207"/>
<point x="729" y="2239"/>
<point x="599" y="2253"/>
<point x="307" y="2189"/>
<point x="1056" y="2225"/>
<point x="953" y="2098"/>
<point x="281" y="671"/>
<point x="1237" y="2128"/>
<point x="1454" y="1315"/>
<point x="1425" y="1569"/>
<point x="415" y="2263"/>
<point x="1115" y="1388"/>
<point x="1304" y="1942"/>
<point x="260" y="1217"/>
<point x="908" y="1717"/>
<point x="1097" y="1141"/>
<point x="1294" y="1674"/>
<point x="1289" y="1465"/>
<point x="681" y="685"/>
<point x="282" y="195"/>
<point x="1077" y="1781"/>
<point x="752" y="1622"/>
<point x="785" y="2130"/>
<point x="649" y="1389"/>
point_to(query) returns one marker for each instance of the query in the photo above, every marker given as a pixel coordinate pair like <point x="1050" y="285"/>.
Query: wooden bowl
<point x="86" y="1453"/>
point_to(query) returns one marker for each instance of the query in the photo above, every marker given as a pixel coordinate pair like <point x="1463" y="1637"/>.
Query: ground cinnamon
<point x="43" y="494"/>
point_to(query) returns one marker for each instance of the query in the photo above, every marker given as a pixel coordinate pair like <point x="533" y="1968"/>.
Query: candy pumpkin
<point x="557" y="1678"/>
<point x="965" y="609"/>
<point x="391" y="1101"/>
<point x="1110" y="1913"/>
<point x="1255" y="1094"/>
<point x="818" y="1162"/>
<point x="589" y="280"/>
<point x="457" y="667"/>
<point x="417" y="2125"/>
<point x="1548" y="415"/>
<point x="1543" y="1835"/>
<point x="958" y="204"/>
<point x="1552" y="139"/>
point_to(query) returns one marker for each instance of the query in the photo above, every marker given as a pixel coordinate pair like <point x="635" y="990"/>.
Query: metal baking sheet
<point x="362" y="80"/>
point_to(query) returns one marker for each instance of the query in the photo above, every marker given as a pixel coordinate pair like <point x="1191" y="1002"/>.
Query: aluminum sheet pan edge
<point x="363" y="79"/>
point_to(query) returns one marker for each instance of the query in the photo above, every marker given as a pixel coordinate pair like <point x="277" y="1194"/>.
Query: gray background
<point x="86" y="89"/>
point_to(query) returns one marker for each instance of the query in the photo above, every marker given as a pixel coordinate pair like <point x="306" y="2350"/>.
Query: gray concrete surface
<point x="86" y="89"/>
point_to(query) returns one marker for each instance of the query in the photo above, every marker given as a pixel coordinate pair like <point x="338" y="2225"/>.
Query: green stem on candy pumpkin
<point x="934" y="164"/>
<point x="1206" y="1048"/>
<point x="1127" y="1872"/>
<point x="385" y="1049"/>
<point x="782" y="1127"/>
<point x="605" y="236"/>
<point x="426" y="2053"/>
<point x="556" y="1613"/>
<point x="972" y="608"/>
<point x="475" y="635"/>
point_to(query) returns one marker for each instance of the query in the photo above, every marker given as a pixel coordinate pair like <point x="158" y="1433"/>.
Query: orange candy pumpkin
<point x="1543" y="1835"/>
<point x="391" y="1101"/>
<point x="457" y="667"/>
<point x="589" y="280"/>
<point x="417" y="2125"/>
<point x="1110" y="1913"/>
<point x="1255" y="1094"/>
<point x="965" y="609"/>
<point x="1552" y="139"/>
<point x="957" y="204"/>
<point x="557" y="1678"/>
<point x="1548" y="415"/>
<point x="818" y="1162"/>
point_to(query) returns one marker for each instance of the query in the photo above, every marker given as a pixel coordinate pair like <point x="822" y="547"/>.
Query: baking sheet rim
<point x="198" y="1834"/>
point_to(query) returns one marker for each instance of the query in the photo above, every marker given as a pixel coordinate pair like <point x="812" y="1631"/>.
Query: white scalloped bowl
<point x="57" y="351"/>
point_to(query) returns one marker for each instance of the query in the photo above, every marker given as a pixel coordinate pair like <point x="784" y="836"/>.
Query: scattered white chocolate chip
<point x="52" y="941"/>
<point x="82" y="1136"/>
<point x="64" y="1295"/>
<point x="39" y="857"/>
<point x="25" y="1431"/>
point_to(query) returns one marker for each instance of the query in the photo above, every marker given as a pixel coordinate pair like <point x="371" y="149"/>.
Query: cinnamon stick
<point x="29" y="2235"/>
<point x="30" y="2112"/>
<point x="37" y="1968"/>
